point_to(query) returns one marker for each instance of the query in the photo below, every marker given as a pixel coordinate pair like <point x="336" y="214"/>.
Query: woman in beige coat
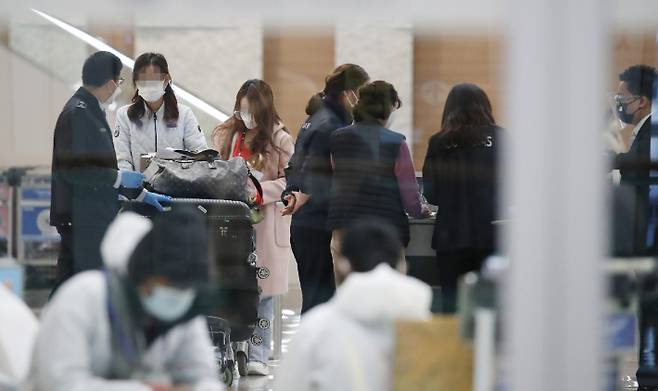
<point x="256" y="133"/>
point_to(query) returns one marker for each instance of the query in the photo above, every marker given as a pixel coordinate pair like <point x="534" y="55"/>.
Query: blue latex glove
<point x="129" y="179"/>
<point x="154" y="199"/>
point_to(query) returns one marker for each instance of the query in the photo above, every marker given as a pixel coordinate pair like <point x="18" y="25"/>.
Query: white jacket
<point x="347" y="343"/>
<point x="73" y="349"/>
<point x="132" y="140"/>
<point x="18" y="330"/>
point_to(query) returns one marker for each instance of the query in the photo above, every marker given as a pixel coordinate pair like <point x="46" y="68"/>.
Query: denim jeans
<point x="261" y="352"/>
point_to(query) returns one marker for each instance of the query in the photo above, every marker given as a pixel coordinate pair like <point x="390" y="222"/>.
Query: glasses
<point x="625" y="99"/>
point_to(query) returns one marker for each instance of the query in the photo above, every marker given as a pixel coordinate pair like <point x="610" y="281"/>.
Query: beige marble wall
<point x="57" y="52"/>
<point x="211" y="62"/>
<point x="29" y="105"/>
<point x="385" y="50"/>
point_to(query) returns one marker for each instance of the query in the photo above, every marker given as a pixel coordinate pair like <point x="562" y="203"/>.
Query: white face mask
<point x="168" y="304"/>
<point x="349" y="94"/>
<point x="108" y="102"/>
<point x="248" y="119"/>
<point x="150" y="90"/>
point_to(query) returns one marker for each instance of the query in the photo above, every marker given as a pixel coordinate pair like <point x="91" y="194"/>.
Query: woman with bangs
<point x="256" y="133"/>
<point x="154" y="120"/>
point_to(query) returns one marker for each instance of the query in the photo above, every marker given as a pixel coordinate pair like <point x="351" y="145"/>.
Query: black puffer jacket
<point x="309" y="169"/>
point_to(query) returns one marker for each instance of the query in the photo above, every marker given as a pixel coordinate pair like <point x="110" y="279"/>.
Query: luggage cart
<point x="233" y="317"/>
<point x="6" y="217"/>
<point x="37" y="242"/>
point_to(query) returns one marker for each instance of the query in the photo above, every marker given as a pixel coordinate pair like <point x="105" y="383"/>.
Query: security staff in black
<point x="309" y="176"/>
<point x="85" y="178"/>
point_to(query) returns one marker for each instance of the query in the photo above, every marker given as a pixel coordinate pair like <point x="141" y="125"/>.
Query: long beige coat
<point x="273" y="233"/>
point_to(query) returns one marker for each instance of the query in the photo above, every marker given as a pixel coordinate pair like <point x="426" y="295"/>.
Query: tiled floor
<point x="291" y="304"/>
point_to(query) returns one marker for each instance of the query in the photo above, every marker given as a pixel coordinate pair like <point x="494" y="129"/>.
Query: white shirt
<point x="153" y="134"/>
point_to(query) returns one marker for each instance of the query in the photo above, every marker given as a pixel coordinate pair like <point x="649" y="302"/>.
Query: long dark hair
<point x="137" y="109"/>
<point x="467" y="107"/>
<point x="344" y="77"/>
<point x="261" y="104"/>
<point x="376" y="102"/>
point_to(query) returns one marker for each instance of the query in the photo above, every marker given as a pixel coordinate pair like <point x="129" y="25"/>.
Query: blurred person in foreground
<point x="347" y="343"/>
<point x="130" y="327"/>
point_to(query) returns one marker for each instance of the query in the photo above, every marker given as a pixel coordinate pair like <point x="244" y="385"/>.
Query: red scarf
<point x="241" y="149"/>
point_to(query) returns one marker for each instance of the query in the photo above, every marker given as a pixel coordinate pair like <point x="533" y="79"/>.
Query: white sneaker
<point x="257" y="368"/>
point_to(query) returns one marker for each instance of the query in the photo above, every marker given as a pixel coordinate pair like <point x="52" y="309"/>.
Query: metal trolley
<point x="234" y="266"/>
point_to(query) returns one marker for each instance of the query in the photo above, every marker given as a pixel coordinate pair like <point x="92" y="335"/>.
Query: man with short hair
<point x="634" y="102"/>
<point x="86" y="182"/>
<point x="346" y="343"/>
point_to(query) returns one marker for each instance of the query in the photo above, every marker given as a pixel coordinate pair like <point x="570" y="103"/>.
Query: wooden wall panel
<point x="4" y="30"/>
<point x="631" y="49"/>
<point x="441" y="61"/>
<point x="295" y="63"/>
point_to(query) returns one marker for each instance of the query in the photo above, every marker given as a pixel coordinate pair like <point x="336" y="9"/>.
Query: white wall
<point x="211" y="62"/>
<point x="29" y="105"/>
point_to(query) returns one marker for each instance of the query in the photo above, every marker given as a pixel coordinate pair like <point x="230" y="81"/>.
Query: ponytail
<point x="345" y="77"/>
<point x="314" y="103"/>
<point x="137" y="109"/>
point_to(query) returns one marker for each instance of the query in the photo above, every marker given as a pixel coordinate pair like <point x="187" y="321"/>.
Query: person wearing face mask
<point x="132" y="327"/>
<point x="309" y="176"/>
<point x="634" y="101"/>
<point x="154" y="120"/>
<point x="374" y="175"/>
<point x="86" y="180"/>
<point x="256" y="133"/>
<point x="634" y="104"/>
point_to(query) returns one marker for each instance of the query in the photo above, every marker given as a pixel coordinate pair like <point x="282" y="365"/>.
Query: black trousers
<point x="79" y="251"/>
<point x="647" y="372"/>
<point x="311" y="247"/>
<point x="451" y="266"/>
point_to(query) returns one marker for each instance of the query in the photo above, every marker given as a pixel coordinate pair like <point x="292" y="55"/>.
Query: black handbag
<point x="201" y="175"/>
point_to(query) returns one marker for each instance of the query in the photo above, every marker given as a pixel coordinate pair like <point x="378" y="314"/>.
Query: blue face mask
<point x="168" y="304"/>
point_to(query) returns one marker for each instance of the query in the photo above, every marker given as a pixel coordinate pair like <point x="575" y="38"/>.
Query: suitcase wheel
<point x="256" y="340"/>
<point x="263" y="273"/>
<point x="264" y="324"/>
<point x="253" y="258"/>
